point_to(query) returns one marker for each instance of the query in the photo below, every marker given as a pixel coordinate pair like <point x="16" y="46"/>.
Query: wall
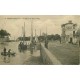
<point x="47" y="57"/>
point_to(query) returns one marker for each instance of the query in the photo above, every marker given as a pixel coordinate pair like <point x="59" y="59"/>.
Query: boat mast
<point x="35" y="35"/>
<point x="40" y="32"/>
<point x="23" y="29"/>
<point x="32" y="31"/>
<point x="46" y="32"/>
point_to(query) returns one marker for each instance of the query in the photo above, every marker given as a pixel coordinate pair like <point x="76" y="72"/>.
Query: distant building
<point x="69" y="32"/>
<point x="5" y="39"/>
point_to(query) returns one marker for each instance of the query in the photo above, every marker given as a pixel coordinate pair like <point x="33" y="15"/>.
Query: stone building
<point x="69" y="32"/>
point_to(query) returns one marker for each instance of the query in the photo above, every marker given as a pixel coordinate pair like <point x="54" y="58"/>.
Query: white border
<point x="39" y="7"/>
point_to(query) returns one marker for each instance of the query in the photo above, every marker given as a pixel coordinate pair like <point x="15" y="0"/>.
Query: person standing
<point x="46" y="43"/>
<point x="5" y="54"/>
<point x="9" y="54"/>
<point x="60" y="40"/>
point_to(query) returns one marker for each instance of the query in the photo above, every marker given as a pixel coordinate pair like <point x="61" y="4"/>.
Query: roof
<point x="69" y="22"/>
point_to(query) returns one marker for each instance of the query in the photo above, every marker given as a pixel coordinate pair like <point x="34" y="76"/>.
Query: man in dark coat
<point x="46" y="43"/>
<point x="5" y="54"/>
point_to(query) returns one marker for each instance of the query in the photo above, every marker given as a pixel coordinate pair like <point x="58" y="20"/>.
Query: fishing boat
<point x="11" y="53"/>
<point x="23" y="45"/>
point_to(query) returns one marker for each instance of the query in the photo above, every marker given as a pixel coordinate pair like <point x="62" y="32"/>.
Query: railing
<point x="47" y="57"/>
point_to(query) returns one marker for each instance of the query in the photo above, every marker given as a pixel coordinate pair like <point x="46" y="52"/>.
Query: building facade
<point x="69" y="32"/>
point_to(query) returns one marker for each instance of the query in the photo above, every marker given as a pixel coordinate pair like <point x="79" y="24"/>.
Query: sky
<point x="14" y="23"/>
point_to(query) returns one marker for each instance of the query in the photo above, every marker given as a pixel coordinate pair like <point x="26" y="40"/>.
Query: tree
<point x="57" y="37"/>
<point x="4" y="33"/>
<point x="51" y="37"/>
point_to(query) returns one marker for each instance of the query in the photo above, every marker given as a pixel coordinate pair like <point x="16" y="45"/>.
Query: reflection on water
<point x="9" y="45"/>
<point x="23" y="57"/>
<point x="20" y="56"/>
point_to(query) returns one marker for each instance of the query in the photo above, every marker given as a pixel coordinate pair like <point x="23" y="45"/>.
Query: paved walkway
<point x="65" y="53"/>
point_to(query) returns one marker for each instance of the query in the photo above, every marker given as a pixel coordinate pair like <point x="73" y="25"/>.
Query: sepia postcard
<point x="39" y="40"/>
